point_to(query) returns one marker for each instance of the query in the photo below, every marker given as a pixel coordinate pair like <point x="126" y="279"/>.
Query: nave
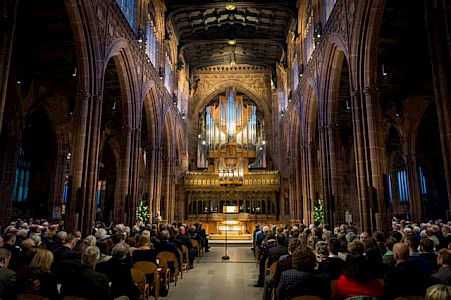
<point x="214" y="278"/>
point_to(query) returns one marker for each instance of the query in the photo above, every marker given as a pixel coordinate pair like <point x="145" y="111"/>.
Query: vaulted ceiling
<point x="207" y="30"/>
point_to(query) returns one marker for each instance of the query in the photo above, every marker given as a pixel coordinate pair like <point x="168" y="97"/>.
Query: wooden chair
<point x="187" y="264"/>
<point x="362" y="297"/>
<point x="148" y="267"/>
<point x="181" y="263"/>
<point x="73" y="298"/>
<point x="139" y="278"/>
<point x="272" y="269"/>
<point x="197" y="246"/>
<point x="170" y="257"/>
<point x="410" y="298"/>
<point x="333" y="284"/>
<point x="307" y="297"/>
<point x="165" y="272"/>
<point x="30" y="297"/>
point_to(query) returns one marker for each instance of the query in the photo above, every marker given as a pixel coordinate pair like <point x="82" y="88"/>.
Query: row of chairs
<point x="140" y="269"/>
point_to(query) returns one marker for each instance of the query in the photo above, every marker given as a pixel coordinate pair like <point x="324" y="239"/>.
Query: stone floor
<point x="216" y="279"/>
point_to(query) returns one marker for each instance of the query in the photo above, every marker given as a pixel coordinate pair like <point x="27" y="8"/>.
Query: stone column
<point x="57" y="185"/>
<point x="8" y="175"/>
<point x="132" y="202"/>
<point x="90" y="200"/>
<point x="7" y="29"/>
<point x="437" y="23"/>
<point x="413" y="178"/>
<point x="77" y="164"/>
<point x="360" y="160"/>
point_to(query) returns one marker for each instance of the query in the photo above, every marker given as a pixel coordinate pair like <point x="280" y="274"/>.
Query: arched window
<point x="295" y="71"/>
<point x="423" y="185"/>
<point x="397" y="180"/>
<point x="151" y="47"/>
<point x="328" y="7"/>
<point x="128" y="9"/>
<point x="20" y="192"/>
<point x="168" y="73"/>
<point x="309" y="42"/>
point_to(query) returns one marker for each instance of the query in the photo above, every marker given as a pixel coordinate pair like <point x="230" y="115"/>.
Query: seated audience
<point x="438" y="292"/>
<point x="87" y="282"/>
<point x="358" y="279"/>
<point x="7" y="276"/>
<point x="39" y="280"/>
<point x="443" y="275"/>
<point x="303" y="279"/>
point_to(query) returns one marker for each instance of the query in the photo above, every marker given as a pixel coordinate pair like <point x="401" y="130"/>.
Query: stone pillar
<point x="437" y="23"/>
<point x="360" y="160"/>
<point x="57" y="186"/>
<point x="413" y="178"/>
<point x="90" y="200"/>
<point x="8" y="175"/>
<point x="122" y="191"/>
<point x="132" y="202"/>
<point x="7" y="29"/>
<point x="77" y="164"/>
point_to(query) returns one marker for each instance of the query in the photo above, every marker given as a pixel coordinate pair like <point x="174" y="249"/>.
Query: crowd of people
<point x="339" y="263"/>
<point x="37" y="257"/>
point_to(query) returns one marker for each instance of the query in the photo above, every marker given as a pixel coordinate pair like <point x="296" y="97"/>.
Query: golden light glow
<point x="231" y="42"/>
<point x="230" y="6"/>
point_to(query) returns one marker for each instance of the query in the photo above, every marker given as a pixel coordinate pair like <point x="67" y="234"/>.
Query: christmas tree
<point x="318" y="212"/>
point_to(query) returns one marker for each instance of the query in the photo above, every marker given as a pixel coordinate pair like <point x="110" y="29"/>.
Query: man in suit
<point x="404" y="277"/>
<point x="7" y="276"/>
<point x="443" y="275"/>
<point x="87" y="282"/>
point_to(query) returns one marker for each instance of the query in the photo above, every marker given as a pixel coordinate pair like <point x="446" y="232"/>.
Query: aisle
<point x="218" y="280"/>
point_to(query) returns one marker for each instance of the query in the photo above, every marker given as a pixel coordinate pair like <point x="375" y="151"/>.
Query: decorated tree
<point x="318" y="212"/>
<point x="142" y="213"/>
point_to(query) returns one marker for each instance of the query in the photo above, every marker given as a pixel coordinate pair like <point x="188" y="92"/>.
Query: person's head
<point x="444" y="257"/>
<point x="61" y="236"/>
<point x="42" y="261"/>
<point x="71" y="241"/>
<point x="165" y="235"/>
<point x="144" y="240"/>
<point x="350" y="236"/>
<point x="120" y="250"/>
<point x="389" y="243"/>
<point x="400" y="252"/>
<point x="90" y="256"/>
<point x="379" y="236"/>
<point x="363" y="236"/>
<point x="5" y="256"/>
<point x="334" y="246"/>
<point x="293" y="245"/>
<point x="356" y="247"/>
<point x="438" y="292"/>
<point x="412" y="242"/>
<point x="321" y="249"/>
<point x="303" y="258"/>
<point x="281" y="239"/>
<point x="357" y="267"/>
<point x="427" y="245"/>
<point x="91" y="240"/>
<point x="10" y="238"/>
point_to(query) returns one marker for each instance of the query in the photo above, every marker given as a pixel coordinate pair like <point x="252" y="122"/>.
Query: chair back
<point x="186" y="257"/>
<point x="73" y="298"/>
<point x="362" y="297"/>
<point x="410" y="298"/>
<point x="181" y="261"/>
<point x="272" y="269"/>
<point x="170" y="257"/>
<point x="165" y="273"/>
<point x="307" y="297"/>
<point x="148" y="267"/>
<point x="139" y="279"/>
<point x="30" y="297"/>
<point x="196" y="245"/>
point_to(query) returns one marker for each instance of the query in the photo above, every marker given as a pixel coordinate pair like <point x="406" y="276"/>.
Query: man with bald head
<point x="404" y="278"/>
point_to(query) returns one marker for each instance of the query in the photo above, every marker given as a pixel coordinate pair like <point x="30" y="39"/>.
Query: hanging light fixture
<point x="230" y="5"/>
<point x="231" y="42"/>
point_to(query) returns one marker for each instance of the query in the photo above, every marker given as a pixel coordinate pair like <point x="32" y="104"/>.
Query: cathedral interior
<point x="256" y="111"/>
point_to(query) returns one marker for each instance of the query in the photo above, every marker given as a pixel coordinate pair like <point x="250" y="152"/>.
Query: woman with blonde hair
<point x="438" y="292"/>
<point x="145" y="250"/>
<point x="39" y="279"/>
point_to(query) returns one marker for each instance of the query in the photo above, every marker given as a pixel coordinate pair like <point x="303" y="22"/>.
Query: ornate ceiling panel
<point x="205" y="27"/>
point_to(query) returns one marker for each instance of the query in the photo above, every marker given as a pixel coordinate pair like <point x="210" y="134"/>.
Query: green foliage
<point x="142" y="213"/>
<point x="318" y="212"/>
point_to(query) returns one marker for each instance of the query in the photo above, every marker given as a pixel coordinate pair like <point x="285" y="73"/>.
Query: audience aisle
<point x="220" y="280"/>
